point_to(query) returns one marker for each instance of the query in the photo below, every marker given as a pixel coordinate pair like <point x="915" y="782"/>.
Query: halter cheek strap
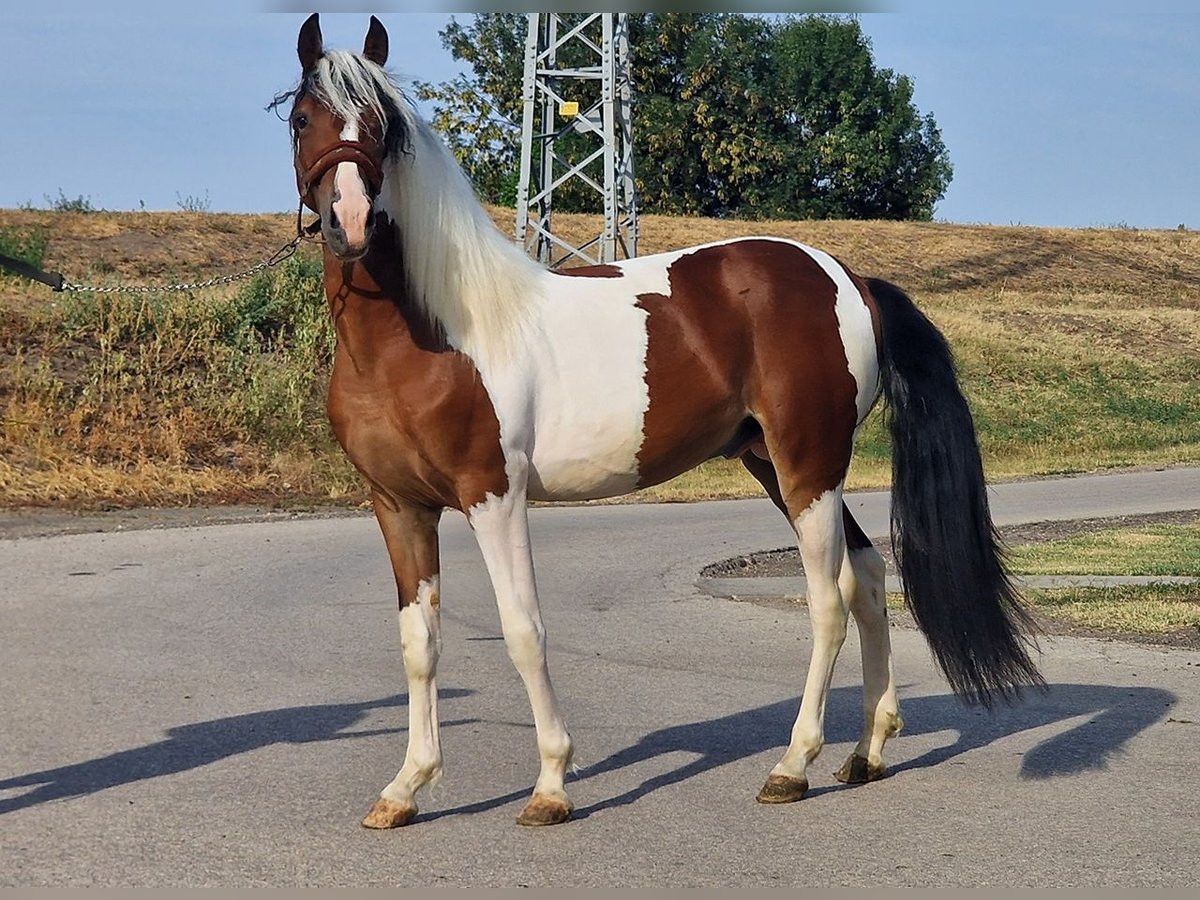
<point x="356" y="152"/>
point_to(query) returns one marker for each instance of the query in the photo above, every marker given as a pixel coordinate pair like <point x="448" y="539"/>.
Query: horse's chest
<point x="425" y="431"/>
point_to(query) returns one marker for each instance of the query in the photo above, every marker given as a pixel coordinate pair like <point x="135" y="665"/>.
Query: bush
<point x="26" y="244"/>
<point x="192" y="203"/>
<point x="63" y="203"/>
<point x="183" y="380"/>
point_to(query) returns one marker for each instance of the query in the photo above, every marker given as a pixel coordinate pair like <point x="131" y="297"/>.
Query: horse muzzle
<point x="348" y="236"/>
<point x="349" y="221"/>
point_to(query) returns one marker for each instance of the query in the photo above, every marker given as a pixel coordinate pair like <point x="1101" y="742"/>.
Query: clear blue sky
<point x="1059" y="118"/>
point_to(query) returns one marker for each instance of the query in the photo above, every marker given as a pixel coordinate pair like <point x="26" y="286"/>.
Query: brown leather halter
<point x="363" y="155"/>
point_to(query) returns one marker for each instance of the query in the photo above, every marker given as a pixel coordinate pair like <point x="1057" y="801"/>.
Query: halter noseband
<point x="343" y="151"/>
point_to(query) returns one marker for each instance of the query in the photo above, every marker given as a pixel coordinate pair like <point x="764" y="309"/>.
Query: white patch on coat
<point x="856" y="329"/>
<point x="822" y="543"/>
<point x="825" y="510"/>
<point x="589" y="377"/>
<point x="420" y="631"/>
<point x="501" y="528"/>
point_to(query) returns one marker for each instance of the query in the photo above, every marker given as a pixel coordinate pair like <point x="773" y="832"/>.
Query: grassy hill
<point x="1078" y="351"/>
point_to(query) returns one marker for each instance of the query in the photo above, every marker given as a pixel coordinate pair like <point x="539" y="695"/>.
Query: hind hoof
<point x="782" y="789"/>
<point x="856" y="770"/>
<point x="389" y="814"/>
<point x="542" y="810"/>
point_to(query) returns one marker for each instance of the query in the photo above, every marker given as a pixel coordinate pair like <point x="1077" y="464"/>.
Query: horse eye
<point x="300" y="123"/>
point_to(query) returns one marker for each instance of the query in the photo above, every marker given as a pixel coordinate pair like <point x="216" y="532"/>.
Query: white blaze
<point x="352" y="205"/>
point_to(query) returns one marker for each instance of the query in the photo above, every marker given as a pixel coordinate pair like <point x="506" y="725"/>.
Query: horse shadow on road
<point x="1115" y="715"/>
<point x="191" y="746"/>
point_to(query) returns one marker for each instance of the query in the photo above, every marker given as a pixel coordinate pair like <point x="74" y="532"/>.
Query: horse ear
<point x="311" y="46"/>
<point x="375" y="48"/>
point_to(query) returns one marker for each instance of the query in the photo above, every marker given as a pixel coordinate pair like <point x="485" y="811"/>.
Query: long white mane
<point x="474" y="282"/>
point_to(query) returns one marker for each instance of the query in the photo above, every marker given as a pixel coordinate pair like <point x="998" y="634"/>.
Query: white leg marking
<point x="822" y="544"/>
<point x="862" y="584"/>
<point x="421" y="643"/>
<point x="502" y="529"/>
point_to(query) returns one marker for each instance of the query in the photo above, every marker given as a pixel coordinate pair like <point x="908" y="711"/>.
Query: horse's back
<point x="650" y="366"/>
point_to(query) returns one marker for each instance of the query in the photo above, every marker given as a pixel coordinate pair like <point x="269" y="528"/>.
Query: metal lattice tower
<point x="553" y="109"/>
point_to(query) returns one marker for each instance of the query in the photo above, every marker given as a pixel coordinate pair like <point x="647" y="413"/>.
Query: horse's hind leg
<point x="862" y="584"/>
<point x="412" y="542"/>
<point x="818" y="524"/>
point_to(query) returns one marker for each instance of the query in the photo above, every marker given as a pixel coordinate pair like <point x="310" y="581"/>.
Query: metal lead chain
<point x="279" y="256"/>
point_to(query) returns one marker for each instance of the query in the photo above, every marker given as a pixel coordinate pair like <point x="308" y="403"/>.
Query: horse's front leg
<point x="412" y="543"/>
<point x="501" y="526"/>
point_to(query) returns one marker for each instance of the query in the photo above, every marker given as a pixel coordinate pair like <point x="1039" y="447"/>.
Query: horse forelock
<point x="350" y="86"/>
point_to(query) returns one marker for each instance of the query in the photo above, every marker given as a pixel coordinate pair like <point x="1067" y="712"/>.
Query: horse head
<point x="343" y="130"/>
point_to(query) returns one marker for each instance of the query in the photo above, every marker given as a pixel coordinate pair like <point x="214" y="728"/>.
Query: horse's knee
<point x="526" y="644"/>
<point x="419" y="643"/>
<point x="868" y="599"/>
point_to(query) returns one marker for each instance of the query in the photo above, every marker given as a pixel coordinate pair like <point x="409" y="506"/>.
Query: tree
<point x="734" y="115"/>
<point x="480" y="116"/>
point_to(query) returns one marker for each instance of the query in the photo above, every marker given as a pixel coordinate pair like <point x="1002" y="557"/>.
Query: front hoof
<point x="542" y="810"/>
<point x="389" y="814"/>
<point x="856" y="770"/>
<point x="782" y="789"/>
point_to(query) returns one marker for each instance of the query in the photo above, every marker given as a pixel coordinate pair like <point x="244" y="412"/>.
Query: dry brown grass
<point x="1076" y="347"/>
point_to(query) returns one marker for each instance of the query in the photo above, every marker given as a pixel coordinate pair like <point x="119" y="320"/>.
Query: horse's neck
<point x="373" y="313"/>
<point x="467" y="276"/>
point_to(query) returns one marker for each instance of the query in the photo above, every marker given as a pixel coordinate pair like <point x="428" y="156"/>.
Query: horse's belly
<point x="569" y="470"/>
<point x="587" y="439"/>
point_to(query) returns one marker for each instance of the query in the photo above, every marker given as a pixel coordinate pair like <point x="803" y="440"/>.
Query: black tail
<point x="946" y="547"/>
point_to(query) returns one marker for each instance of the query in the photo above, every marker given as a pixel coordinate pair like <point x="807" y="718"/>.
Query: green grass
<point x="27" y="244"/>
<point x="1149" y="610"/>
<point x="1151" y="550"/>
<point x="1167" y="550"/>
<point x="174" y="397"/>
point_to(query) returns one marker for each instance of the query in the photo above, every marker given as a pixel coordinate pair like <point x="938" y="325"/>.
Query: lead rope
<point x="56" y="282"/>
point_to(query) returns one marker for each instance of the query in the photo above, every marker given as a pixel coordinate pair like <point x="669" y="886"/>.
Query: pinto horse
<point x="467" y="376"/>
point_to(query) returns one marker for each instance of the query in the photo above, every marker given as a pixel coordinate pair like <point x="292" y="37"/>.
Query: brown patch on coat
<point x="750" y="329"/>
<point x="410" y="532"/>
<point x="411" y="412"/>
<point x="605" y="271"/>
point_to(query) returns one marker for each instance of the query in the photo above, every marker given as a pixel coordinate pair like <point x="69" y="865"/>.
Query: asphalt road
<point x="220" y="705"/>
